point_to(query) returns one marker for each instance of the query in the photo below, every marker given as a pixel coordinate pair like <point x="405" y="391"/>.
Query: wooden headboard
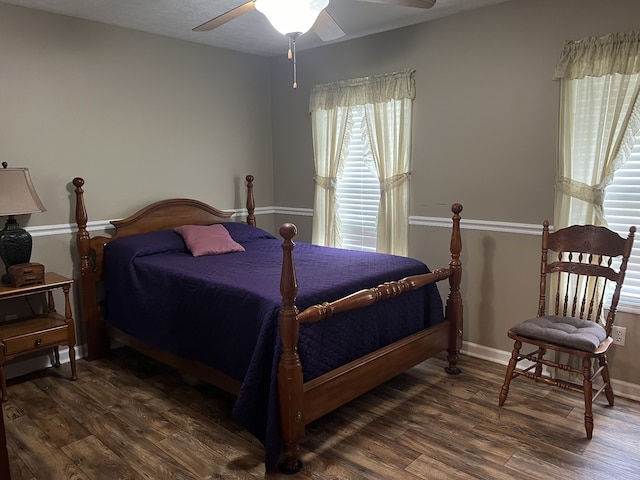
<point x="161" y="215"/>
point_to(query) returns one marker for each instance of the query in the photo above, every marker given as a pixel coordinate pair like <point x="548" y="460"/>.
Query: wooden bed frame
<point x="300" y="402"/>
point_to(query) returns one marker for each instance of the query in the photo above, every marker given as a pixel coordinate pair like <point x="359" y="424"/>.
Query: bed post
<point x="97" y="340"/>
<point x="454" y="300"/>
<point x="290" y="382"/>
<point x="251" y="203"/>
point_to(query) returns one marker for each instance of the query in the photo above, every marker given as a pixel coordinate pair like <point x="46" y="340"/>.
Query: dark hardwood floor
<point x="127" y="417"/>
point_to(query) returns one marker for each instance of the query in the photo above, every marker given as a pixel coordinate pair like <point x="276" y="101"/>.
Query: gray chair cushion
<point x="567" y="331"/>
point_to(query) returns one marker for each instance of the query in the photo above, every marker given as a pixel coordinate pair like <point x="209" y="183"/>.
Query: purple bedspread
<point x="222" y="310"/>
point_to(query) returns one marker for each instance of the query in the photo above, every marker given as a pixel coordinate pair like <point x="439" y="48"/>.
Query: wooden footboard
<point x="300" y="402"/>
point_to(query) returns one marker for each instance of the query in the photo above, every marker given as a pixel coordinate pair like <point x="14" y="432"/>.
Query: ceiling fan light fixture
<point x="291" y="16"/>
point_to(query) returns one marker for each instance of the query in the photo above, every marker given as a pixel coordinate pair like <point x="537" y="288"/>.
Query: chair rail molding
<point x="484" y="225"/>
<point x="419" y="221"/>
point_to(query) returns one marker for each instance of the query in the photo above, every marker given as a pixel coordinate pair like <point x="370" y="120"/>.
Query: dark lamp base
<point x="15" y="245"/>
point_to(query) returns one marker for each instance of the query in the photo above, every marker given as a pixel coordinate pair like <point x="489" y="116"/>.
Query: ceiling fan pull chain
<point x="295" y="77"/>
<point x="291" y="55"/>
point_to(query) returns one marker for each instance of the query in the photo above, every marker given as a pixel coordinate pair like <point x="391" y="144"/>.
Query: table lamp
<point x="17" y="197"/>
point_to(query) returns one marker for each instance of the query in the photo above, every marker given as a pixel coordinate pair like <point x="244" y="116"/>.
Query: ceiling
<point x="249" y="33"/>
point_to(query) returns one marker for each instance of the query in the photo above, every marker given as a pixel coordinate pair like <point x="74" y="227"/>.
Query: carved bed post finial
<point x="290" y="379"/>
<point x="81" y="221"/>
<point x="251" y="203"/>
<point x="454" y="301"/>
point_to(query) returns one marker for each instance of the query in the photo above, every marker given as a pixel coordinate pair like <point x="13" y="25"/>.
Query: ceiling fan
<point x="293" y="18"/>
<point x="325" y="26"/>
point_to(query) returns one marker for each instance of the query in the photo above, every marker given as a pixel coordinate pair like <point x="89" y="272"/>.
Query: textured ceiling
<point x="251" y="32"/>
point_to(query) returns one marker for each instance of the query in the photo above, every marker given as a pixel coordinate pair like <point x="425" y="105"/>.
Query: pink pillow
<point x="208" y="240"/>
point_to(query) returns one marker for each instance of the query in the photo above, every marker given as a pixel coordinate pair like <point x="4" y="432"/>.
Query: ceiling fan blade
<point x="405" y="3"/>
<point x="326" y="27"/>
<point x="226" y="17"/>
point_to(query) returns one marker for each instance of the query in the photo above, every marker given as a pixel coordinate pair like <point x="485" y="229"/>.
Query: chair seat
<point x="566" y="331"/>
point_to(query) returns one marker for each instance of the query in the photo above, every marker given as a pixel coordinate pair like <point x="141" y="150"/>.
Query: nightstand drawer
<point x="35" y="340"/>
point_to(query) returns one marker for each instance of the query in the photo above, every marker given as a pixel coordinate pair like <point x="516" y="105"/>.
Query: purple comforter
<point x="222" y="310"/>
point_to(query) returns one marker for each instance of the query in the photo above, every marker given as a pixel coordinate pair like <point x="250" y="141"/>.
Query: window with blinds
<point x="358" y="193"/>
<point x="622" y="209"/>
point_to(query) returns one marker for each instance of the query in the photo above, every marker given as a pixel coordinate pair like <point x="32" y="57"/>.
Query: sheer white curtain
<point x="599" y="115"/>
<point x="331" y="134"/>
<point x="388" y="126"/>
<point x="388" y="108"/>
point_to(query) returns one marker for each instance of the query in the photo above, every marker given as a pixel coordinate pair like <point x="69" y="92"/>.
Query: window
<point x="598" y="114"/>
<point x="622" y="209"/>
<point x="358" y="192"/>
<point x="387" y="103"/>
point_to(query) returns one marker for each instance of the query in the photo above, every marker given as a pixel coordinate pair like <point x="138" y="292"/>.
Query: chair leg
<point x="541" y="353"/>
<point x="504" y="391"/>
<point x="587" y="388"/>
<point x="608" y="389"/>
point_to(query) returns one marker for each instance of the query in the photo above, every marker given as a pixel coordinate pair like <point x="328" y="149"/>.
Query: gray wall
<point x="143" y="117"/>
<point x="484" y="135"/>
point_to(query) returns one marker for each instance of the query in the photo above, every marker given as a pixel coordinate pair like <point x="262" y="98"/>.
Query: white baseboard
<point x="621" y="388"/>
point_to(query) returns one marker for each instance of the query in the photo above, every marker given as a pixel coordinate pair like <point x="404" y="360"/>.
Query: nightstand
<point x="38" y="332"/>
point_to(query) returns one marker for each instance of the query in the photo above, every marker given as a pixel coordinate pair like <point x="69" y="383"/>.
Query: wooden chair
<point x="581" y="263"/>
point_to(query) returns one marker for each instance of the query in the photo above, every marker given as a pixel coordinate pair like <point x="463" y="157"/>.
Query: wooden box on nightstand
<point x="26" y="274"/>
<point x="38" y="332"/>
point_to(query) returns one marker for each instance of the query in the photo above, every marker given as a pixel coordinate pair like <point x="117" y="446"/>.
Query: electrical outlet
<point x="11" y="316"/>
<point x="618" y="334"/>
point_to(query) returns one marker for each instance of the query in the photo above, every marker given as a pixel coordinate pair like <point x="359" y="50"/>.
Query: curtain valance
<point x="598" y="56"/>
<point x="361" y="91"/>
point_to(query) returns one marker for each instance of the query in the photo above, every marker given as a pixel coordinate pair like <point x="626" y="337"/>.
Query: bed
<point x="293" y="341"/>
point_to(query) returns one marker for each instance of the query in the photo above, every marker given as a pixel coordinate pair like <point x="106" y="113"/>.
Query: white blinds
<point x="622" y="210"/>
<point x="358" y="192"/>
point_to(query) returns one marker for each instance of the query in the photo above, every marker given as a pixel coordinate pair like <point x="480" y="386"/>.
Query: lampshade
<point x="17" y="197"/>
<point x="291" y="16"/>
<point x="17" y="194"/>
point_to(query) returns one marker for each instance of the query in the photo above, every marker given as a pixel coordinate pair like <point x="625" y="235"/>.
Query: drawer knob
<point x="38" y="342"/>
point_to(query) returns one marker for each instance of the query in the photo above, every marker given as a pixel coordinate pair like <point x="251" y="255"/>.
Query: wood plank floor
<point x="128" y="417"/>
